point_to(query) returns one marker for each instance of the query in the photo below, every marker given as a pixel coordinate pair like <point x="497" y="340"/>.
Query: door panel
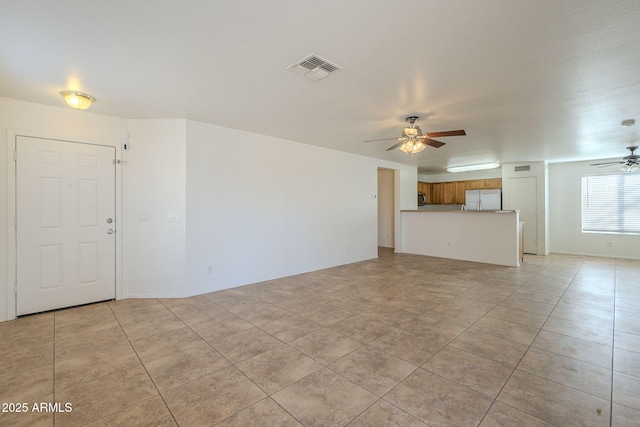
<point x="65" y="192"/>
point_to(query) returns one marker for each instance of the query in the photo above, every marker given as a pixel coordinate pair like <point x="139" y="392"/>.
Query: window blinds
<point x="611" y="203"/>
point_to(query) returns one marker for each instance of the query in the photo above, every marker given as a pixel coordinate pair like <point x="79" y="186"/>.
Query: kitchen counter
<point x="481" y="236"/>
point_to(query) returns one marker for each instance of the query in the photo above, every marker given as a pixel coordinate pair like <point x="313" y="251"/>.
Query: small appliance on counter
<point x="422" y="200"/>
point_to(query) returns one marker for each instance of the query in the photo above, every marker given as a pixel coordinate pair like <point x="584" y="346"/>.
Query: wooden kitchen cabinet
<point x="475" y="184"/>
<point x="428" y="193"/>
<point x="448" y="192"/>
<point x="454" y="192"/>
<point x="437" y="189"/>
<point x="493" y="183"/>
<point x="461" y="188"/>
<point x="425" y="188"/>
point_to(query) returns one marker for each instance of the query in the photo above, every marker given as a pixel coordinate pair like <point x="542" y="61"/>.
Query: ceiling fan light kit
<point x="413" y="146"/>
<point x="630" y="163"/>
<point x="478" y="167"/>
<point x="414" y="141"/>
<point x="630" y="168"/>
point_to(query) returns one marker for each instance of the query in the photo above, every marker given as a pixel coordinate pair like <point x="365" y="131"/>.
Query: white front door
<point x="65" y="209"/>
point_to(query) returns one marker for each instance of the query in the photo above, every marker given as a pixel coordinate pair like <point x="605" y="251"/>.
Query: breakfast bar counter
<point x="482" y="236"/>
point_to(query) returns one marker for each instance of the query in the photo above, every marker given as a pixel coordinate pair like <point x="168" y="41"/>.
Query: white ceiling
<point x="529" y="80"/>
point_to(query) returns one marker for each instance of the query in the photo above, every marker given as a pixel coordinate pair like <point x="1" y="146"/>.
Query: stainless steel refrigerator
<point x="483" y="200"/>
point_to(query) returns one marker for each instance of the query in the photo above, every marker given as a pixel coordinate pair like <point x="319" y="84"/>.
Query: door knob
<point x="109" y="220"/>
<point x="110" y="231"/>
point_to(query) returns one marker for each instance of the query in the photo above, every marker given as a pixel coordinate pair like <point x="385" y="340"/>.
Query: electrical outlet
<point x="210" y="269"/>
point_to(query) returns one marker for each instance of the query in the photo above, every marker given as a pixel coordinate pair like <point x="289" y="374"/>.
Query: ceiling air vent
<point x="314" y="67"/>
<point x="522" y="168"/>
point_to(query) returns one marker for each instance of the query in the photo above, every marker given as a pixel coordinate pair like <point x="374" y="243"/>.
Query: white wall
<point x="565" y="212"/>
<point x="385" y="208"/>
<point x="154" y="177"/>
<point x="261" y="207"/>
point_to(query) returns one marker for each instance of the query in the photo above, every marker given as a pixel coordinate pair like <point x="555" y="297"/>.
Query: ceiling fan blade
<point x="383" y="139"/>
<point x="433" y="143"/>
<point x="605" y="163"/>
<point x="395" y="146"/>
<point x="446" y="133"/>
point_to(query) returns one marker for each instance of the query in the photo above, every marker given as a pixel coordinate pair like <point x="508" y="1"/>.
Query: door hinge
<point x="15" y="288"/>
<point x="15" y="222"/>
<point x="15" y="155"/>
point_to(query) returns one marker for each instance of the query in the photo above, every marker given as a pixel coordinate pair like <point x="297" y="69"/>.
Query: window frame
<point x="623" y="202"/>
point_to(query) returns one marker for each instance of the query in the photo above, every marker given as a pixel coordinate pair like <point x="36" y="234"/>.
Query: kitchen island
<point x="482" y="236"/>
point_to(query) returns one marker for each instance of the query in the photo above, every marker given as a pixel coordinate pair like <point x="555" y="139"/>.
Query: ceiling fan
<point x="630" y="163"/>
<point x="414" y="141"/>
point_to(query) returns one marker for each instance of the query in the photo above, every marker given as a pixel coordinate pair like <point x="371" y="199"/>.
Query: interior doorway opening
<point x="386" y="208"/>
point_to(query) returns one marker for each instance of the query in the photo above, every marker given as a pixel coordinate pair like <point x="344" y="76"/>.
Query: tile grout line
<point x="267" y="395"/>
<point x="54" y="365"/>
<point x="270" y="395"/>
<point x="420" y="366"/>
<point x="530" y="344"/>
<point x="145" y="369"/>
<point x="322" y="365"/>
<point x="495" y="399"/>
<point x="613" y="341"/>
<point x="328" y="327"/>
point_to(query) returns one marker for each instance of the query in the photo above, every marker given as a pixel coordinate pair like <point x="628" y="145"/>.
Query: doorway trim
<point x="12" y="247"/>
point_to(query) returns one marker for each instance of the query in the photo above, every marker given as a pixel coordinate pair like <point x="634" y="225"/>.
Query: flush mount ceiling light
<point x="479" y="167"/>
<point x="77" y="100"/>
<point x="628" y="122"/>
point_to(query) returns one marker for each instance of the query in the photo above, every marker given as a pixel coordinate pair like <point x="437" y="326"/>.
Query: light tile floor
<point x="403" y="340"/>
